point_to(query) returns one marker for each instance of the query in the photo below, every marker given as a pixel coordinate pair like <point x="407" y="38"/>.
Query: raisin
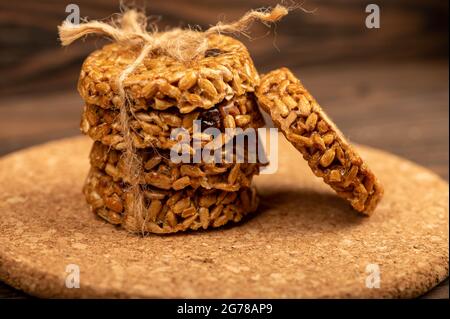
<point x="212" y="52"/>
<point x="210" y="118"/>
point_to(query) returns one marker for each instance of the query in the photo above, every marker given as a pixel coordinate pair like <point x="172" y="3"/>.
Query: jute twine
<point x="184" y="45"/>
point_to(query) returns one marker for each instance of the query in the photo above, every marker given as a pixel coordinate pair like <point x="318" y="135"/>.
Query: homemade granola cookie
<point x="152" y="128"/>
<point x="310" y="130"/>
<point x="166" y="211"/>
<point x="161" y="172"/>
<point x="161" y="82"/>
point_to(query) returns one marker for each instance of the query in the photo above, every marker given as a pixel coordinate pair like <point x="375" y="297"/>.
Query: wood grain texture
<point x="334" y="33"/>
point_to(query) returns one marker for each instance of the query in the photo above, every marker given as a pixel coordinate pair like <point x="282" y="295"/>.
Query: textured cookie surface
<point x="310" y="130"/>
<point x="303" y="242"/>
<point x="161" y="82"/>
<point x="168" y="211"/>
<point x="153" y="128"/>
<point x="161" y="172"/>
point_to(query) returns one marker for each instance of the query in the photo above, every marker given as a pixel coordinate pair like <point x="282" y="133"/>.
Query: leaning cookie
<point x="310" y="130"/>
<point x="166" y="211"/>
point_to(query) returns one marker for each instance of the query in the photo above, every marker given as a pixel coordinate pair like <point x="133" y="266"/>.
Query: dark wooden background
<point x="387" y="87"/>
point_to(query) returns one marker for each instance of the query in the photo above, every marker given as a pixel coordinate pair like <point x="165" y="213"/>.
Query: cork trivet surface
<point x="304" y="241"/>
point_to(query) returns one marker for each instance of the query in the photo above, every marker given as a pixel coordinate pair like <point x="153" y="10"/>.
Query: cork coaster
<point x="304" y="241"/>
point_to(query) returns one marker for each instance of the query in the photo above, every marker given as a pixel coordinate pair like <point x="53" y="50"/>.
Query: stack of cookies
<point x="163" y="95"/>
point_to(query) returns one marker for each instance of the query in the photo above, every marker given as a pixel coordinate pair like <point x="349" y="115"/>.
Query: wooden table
<point x="401" y="108"/>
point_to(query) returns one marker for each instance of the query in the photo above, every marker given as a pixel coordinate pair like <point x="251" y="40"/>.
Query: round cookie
<point x="161" y="82"/>
<point x="161" y="172"/>
<point x="153" y="128"/>
<point x="167" y="211"/>
<point x="297" y="114"/>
